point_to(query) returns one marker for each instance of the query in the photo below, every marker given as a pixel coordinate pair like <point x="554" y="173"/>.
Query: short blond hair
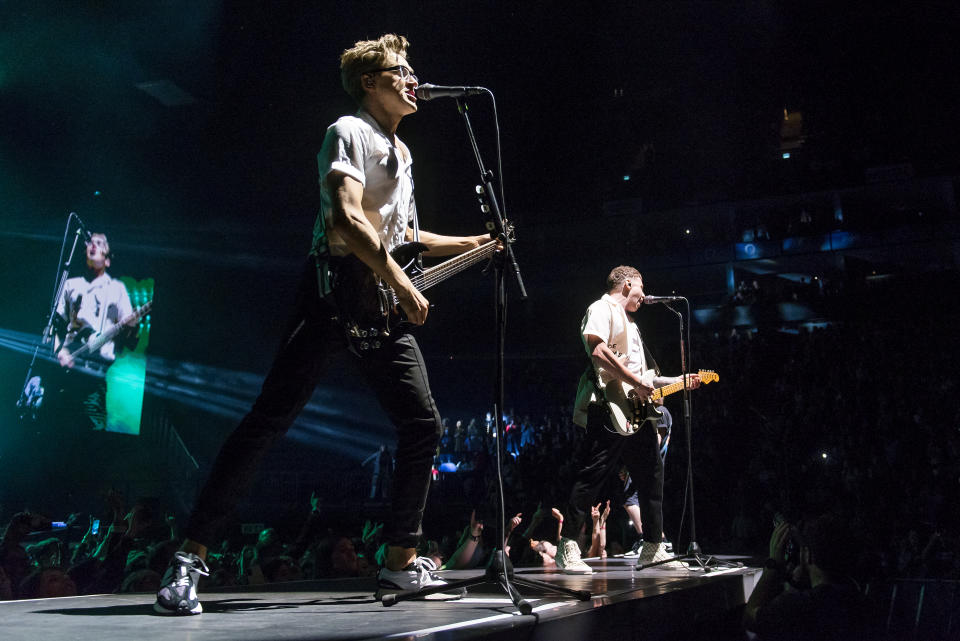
<point x="366" y="55"/>
<point x="621" y="274"/>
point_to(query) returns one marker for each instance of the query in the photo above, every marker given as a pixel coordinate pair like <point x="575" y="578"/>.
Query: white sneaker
<point x="568" y="558"/>
<point x="413" y="578"/>
<point x="653" y="552"/>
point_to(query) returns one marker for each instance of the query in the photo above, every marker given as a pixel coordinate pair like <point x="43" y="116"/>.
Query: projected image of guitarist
<point x="95" y="322"/>
<point x="618" y="359"/>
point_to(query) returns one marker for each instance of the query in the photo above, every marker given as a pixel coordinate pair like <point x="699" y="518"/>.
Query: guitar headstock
<point x="708" y="376"/>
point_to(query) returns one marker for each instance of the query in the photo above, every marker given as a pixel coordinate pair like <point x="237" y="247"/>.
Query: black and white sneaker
<point x="178" y="594"/>
<point x="413" y="578"/>
<point x="635" y="550"/>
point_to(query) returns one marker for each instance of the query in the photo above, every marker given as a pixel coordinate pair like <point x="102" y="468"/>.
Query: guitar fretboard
<point x="438" y="273"/>
<point x="706" y="376"/>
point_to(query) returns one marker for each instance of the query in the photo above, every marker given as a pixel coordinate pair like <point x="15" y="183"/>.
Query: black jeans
<point x="602" y="456"/>
<point x="396" y="373"/>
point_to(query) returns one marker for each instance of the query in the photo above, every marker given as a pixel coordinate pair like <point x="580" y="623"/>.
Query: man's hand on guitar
<point x="413" y="303"/>
<point x="693" y="381"/>
<point x="641" y="391"/>
<point x="64" y="358"/>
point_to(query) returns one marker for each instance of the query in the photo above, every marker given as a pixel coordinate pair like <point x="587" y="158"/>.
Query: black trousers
<point x="397" y="375"/>
<point x="602" y="455"/>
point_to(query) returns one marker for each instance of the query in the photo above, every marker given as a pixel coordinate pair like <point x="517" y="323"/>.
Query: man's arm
<point x="438" y="245"/>
<point x="599" y="350"/>
<point x="362" y="240"/>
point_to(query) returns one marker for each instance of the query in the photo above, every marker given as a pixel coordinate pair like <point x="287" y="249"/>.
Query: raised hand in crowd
<point x="463" y="556"/>
<point x="370" y="531"/>
<point x="596" y="547"/>
<point x="535" y="520"/>
<point x="512" y="525"/>
<point x="171" y="521"/>
<point x="559" y="517"/>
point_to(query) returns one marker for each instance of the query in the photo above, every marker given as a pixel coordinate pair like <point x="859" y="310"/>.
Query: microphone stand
<point x="47" y="335"/>
<point x="499" y="570"/>
<point x="705" y="563"/>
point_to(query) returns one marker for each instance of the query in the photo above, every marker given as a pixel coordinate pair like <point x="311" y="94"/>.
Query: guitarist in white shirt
<point x="612" y="340"/>
<point x="95" y="302"/>
<point x="366" y="209"/>
<point x="90" y="305"/>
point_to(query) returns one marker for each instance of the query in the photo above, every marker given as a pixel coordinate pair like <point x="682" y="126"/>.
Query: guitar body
<point x="629" y="413"/>
<point x="368" y="309"/>
<point x="88" y="343"/>
<point x="365" y="304"/>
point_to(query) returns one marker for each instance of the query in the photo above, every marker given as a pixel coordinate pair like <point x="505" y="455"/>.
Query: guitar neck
<point x="667" y="390"/>
<point x="95" y="343"/>
<point x="455" y="265"/>
<point x="439" y="273"/>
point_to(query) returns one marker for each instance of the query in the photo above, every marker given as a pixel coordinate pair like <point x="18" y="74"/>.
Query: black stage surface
<point x="626" y="604"/>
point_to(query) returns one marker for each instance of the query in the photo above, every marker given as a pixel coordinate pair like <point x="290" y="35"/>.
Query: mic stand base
<point x="494" y="575"/>
<point x="706" y="563"/>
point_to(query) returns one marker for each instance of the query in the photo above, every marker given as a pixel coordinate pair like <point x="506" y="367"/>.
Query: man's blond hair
<point x="365" y="56"/>
<point x="619" y="275"/>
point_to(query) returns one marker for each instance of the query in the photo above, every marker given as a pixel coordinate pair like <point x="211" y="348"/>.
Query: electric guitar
<point x="368" y="309"/>
<point x="629" y="412"/>
<point x="85" y="355"/>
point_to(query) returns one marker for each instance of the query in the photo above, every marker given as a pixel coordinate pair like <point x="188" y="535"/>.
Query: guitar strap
<point x="651" y="361"/>
<point x="416" y="229"/>
<point x="321" y="257"/>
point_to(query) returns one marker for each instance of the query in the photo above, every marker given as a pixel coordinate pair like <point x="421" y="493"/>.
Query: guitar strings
<point x="436" y="274"/>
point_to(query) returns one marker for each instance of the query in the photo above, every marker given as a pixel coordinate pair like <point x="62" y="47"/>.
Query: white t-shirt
<point x="608" y="320"/>
<point x="100" y="304"/>
<point x="357" y="147"/>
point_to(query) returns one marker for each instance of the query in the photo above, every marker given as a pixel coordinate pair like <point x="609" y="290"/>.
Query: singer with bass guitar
<point x="618" y="357"/>
<point x="367" y="210"/>
<point x="95" y="319"/>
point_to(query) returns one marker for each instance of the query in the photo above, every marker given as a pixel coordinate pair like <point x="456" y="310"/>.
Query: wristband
<point x="474" y="537"/>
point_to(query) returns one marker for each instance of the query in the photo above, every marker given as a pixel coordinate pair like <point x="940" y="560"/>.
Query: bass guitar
<point x="368" y="309"/>
<point x="629" y="412"/>
<point x="85" y="356"/>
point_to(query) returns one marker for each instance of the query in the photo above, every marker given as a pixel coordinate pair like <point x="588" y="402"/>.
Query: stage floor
<point x="626" y="603"/>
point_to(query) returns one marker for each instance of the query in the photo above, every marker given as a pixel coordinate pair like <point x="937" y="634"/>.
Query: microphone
<point x="429" y="92"/>
<point x="652" y="300"/>
<point x="82" y="229"/>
